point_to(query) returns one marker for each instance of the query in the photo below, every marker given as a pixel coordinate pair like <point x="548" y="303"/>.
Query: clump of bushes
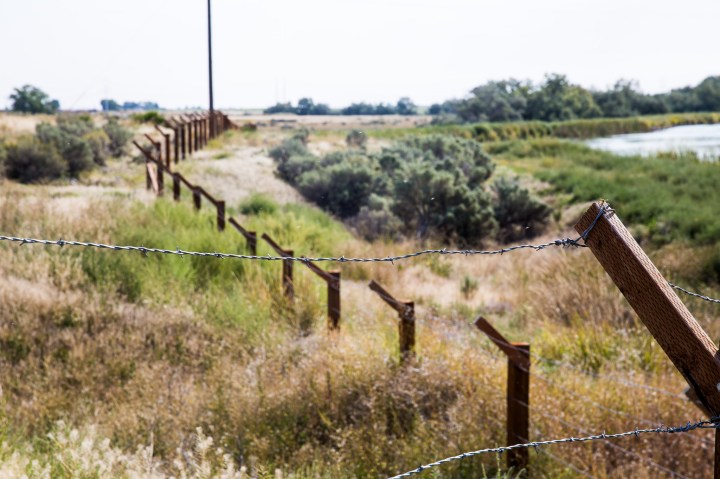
<point x="428" y="186"/>
<point x="68" y="148"/>
<point x="149" y="117"/>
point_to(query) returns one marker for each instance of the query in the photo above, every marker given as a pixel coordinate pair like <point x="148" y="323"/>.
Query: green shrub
<point x="76" y="152"/>
<point x="295" y="166"/>
<point x="288" y="148"/>
<point x="119" y="137"/>
<point x="356" y="139"/>
<point x="258" y="204"/>
<point x="99" y="143"/>
<point x="518" y="214"/>
<point x="149" y="117"/>
<point x="341" y="188"/>
<point x="75" y="125"/>
<point x="31" y="160"/>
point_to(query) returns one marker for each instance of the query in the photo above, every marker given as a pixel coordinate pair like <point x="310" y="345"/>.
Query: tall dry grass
<point x="207" y="343"/>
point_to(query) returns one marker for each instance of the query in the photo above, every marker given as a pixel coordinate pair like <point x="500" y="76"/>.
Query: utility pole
<point x="210" y="71"/>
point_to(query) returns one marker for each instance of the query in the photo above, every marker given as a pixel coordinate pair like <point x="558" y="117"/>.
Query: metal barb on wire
<point x="566" y="242"/>
<point x="707" y="424"/>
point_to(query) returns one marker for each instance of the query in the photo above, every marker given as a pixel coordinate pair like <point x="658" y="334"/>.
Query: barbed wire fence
<point x="562" y="242"/>
<point x="712" y="423"/>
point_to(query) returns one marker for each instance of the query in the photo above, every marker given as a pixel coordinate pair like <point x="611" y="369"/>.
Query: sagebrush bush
<point x="518" y="214"/>
<point x="99" y="143"/>
<point x="119" y="137"/>
<point x="31" y="160"/>
<point x="356" y="139"/>
<point x="149" y="117"/>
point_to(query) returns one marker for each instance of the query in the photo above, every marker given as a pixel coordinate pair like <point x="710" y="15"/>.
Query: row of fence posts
<point x="685" y="342"/>
<point x="156" y="170"/>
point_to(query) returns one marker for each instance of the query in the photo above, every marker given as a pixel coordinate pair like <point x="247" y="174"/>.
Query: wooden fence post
<point x="287" y="271"/>
<point x="176" y="144"/>
<point x="332" y="278"/>
<point x="334" y="309"/>
<point x="183" y="138"/>
<point x="197" y="199"/>
<point x="176" y="187"/>
<point x="676" y="330"/>
<point x="250" y="236"/>
<point x="518" y="393"/>
<point x="166" y="136"/>
<point x="220" y="205"/>
<point x="406" y="325"/>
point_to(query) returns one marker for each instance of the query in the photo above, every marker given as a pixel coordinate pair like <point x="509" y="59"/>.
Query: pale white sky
<point x="343" y="51"/>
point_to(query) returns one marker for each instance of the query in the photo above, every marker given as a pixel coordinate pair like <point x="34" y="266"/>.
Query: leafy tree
<point x="110" y="105"/>
<point x="280" y="108"/>
<point x="557" y="100"/>
<point x="495" y="101"/>
<point x="708" y="94"/>
<point x="30" y="99"/>
<point x="405" y="106"/>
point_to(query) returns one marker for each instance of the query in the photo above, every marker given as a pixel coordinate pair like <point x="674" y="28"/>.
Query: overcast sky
<point x="343" y="51"/>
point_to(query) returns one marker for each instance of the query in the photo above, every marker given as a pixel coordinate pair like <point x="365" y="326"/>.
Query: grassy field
<point x="578" y="129"/>
<point x="117" y="365"/>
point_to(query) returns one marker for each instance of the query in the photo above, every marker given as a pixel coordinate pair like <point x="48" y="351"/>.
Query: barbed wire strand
<point x="647" y="460"/>
<point x="566" y="242"/>
<point x="697" y="295"/>
<point x="552" y="383"/>
<point x="545" y="451"/>
<point x="705" y="424"/>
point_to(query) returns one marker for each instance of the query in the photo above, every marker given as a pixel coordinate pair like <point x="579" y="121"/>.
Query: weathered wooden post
<point x="287" y="274"/>
<point x="406" y="325"/>
<point x="167" y="146"/>
<point x="676" y="330"/>
<point x="197" y="199"/>
<point x="176" y="142"/>
<point x="250" y="236"/>
<point x="176" y="186"/>
<point x="332" y="278"/>
<point x="518" y="393"/>
<point x="220" y="206"/>
<point x="153" y="171"/>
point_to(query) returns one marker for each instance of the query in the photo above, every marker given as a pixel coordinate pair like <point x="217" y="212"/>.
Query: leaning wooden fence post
<point x="518" y="393"/>
<point x="676" y="330"/>
<point x="287" y="271"/>
<point x="176" y="144"/>
<point x="406" y="325"/>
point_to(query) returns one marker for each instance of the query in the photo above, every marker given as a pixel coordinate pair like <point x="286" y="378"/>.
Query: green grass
<point x="581" y="129"/>
<point x="226" y="291"/>
<point x="669" y="198"/>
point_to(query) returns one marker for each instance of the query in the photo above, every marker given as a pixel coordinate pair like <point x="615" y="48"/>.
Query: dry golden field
<point x="117" y="365"/>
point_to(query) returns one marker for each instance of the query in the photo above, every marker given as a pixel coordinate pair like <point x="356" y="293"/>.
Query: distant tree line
<point x="112" y="105"/>
<point x="556" y="99"/>
<point x="306" y="106"/>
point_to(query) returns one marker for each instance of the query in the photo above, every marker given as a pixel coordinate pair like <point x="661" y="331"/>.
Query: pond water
<point x="704" y="140"/>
